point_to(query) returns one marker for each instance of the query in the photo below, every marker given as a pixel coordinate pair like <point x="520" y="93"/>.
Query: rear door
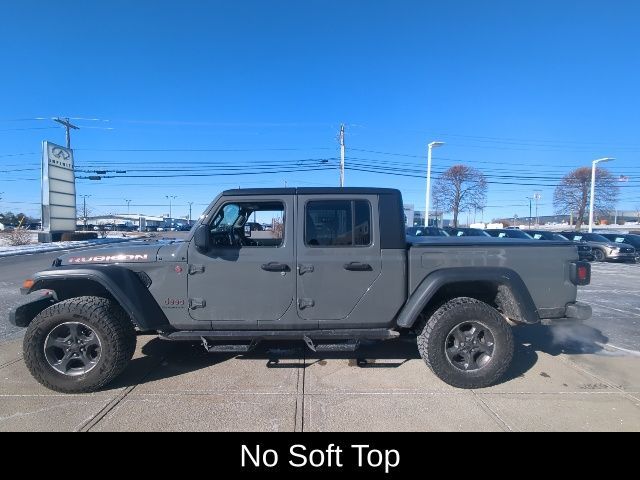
<point x="338" y="257"/>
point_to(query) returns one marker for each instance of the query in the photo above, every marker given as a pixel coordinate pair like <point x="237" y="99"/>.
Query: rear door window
<point x="338" y="223"/>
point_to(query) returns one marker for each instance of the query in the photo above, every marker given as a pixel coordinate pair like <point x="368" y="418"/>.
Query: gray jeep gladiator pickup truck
<point x="328" y="266"/>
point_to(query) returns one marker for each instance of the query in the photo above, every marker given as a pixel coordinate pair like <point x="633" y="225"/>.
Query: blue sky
<point x="522" y="90"/>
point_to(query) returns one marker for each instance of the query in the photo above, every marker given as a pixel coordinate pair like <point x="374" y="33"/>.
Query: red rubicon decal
<point x="109" y="258"/>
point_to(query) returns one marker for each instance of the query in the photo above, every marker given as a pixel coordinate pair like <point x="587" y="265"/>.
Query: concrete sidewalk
<point x="175" y="386"/>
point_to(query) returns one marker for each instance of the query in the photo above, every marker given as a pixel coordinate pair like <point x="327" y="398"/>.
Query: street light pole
<point x="432" y="145"/>
<point x="190" y="205"/>
<point x="537" y="197"/>
<point x="128" y="206"/>
<point x="342" y="147"/>
<point x="593" y="188"/>
<point x="170" y="197"/>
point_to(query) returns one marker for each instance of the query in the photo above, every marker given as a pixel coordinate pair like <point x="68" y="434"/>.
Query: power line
<point x="26" y="128"/>
<point x="395" y="172"/>
<point x="196" y="150"/>
<point x="225" y="173"/>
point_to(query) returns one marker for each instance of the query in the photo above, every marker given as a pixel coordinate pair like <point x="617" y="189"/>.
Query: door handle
<point x="275" y="267"/>
<point x="302" y="269"/>
<point x="358" y="267"/>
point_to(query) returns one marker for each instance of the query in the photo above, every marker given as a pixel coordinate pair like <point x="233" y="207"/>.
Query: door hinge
<point x="306" y="303"/>
<point x="302" y="269"/>
<point x="193" y="269"/>
<point x="195" y="303"/>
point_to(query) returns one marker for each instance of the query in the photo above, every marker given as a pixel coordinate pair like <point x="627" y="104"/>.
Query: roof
<point x="313" y="191"/>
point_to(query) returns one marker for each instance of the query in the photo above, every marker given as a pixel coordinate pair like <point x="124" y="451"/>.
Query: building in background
<point x="436" y="219"/>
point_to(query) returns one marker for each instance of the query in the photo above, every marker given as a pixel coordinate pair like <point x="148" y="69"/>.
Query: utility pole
<point x="128" y="206"/>
<point x="342" y="150"/>
<point x="84" y="215"/>
<point x="170" y="197"/>
<point x="68" y="126"/>
<point x="190" y="205"/>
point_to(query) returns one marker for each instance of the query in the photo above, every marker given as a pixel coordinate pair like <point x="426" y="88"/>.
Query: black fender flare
<point x="430" y="286"/>
<point x="121" y="283"/>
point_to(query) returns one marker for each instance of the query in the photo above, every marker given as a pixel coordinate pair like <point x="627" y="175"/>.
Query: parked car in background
<point x="584" y="250"/>
<point x="255" y="226"/>
<point x="466" y="232"/>
<point x="426" y="232"/>
<point x="603" y="248"/>
<point x="628" y="238"/>
<point x="509" y="233"/>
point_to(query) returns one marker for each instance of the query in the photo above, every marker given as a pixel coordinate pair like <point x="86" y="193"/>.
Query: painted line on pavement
<point x="615" y="309"/>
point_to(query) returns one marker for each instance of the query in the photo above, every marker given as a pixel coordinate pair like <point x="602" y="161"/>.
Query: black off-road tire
<point x="107" y="320"/>
<point x="434" y="332"/>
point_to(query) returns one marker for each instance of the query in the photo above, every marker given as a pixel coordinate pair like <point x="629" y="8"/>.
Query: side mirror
<point x="202" y="238"/>
<point x="247" y="231"/>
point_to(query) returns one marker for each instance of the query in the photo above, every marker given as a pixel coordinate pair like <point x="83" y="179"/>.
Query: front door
<point x="338" y="255"/>
<point x="248" y="275"/>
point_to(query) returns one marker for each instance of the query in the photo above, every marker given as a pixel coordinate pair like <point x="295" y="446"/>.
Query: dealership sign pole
<point x="58" y="191"/>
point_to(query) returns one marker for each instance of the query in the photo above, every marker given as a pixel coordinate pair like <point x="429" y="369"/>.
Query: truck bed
<point x="543" y="266"/>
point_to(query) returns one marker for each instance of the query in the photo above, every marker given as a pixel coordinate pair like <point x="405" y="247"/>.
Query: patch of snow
<point x="7" y="251"/>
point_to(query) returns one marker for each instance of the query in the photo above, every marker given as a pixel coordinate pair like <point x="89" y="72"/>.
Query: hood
<point x="610" y="244"/>
<point x="130" y="252"/>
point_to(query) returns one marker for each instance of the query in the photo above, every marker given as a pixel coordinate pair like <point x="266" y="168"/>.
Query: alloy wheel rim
<point x="72" y="349"/>
<point x="470" y="346"/>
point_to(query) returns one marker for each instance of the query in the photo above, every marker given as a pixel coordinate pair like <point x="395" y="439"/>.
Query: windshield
<point x="469" y="232"/>
<point x="591" y="237"/>
<point x="226" y="218"/>
<point x="515" y="234"/>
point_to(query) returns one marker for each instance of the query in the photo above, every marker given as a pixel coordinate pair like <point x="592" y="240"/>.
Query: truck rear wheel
<point x="79" y="345"/>
<point x="466" y="343"/>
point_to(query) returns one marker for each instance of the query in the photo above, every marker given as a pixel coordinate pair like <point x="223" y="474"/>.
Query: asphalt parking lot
<point x="585" y="378"/>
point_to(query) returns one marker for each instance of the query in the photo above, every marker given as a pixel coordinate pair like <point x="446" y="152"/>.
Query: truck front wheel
<point x="79" y="345"/>
<point x="466" y="343"/>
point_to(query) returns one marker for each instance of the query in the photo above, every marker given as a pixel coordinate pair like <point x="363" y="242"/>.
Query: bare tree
<point x="460" y="188"/>
<point x="573" y="194"/>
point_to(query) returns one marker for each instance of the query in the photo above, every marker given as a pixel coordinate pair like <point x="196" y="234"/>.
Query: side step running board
<point x="348" y="346"/>
<point x="230" y="348"/>
<point x="250" y="335"/>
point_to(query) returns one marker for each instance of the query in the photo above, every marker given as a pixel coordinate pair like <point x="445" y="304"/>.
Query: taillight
<point x="581" y="273"/>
